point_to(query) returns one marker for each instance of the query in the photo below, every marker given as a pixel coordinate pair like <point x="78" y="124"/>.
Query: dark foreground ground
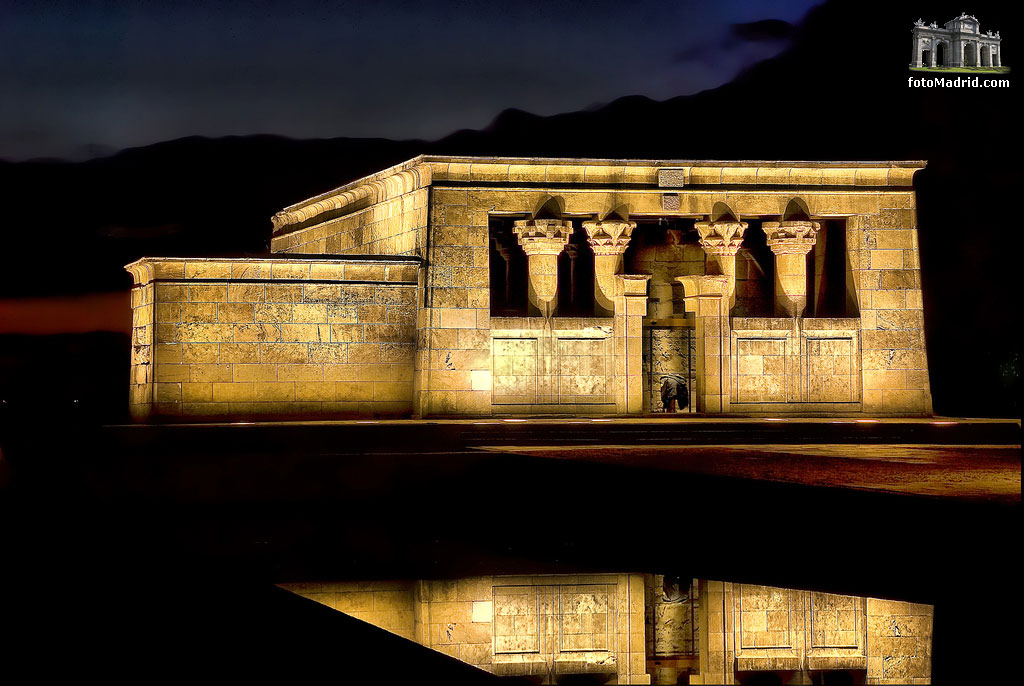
<point x="135" y="553"/>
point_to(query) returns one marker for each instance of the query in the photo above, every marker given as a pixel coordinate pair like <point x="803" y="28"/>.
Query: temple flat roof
<point x="425" y="170"/>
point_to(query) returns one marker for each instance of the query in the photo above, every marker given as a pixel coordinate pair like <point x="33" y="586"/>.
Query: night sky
<point x="83" y="79"/>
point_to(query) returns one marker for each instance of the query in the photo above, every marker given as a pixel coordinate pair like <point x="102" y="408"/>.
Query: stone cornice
<point x="426" y="170"/>
<point x="385" y="185"/>
<point x="381" y="268"/>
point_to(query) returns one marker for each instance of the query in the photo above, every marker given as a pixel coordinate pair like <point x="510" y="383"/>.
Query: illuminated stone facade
<point x="647" y="628"/>
<point x="450" y="286"/>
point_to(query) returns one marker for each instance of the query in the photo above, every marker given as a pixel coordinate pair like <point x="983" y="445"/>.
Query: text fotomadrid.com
<point x="958" y="82"/>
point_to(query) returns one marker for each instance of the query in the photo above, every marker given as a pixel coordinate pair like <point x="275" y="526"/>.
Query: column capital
<point x="721" y="237"/>
<point x="703" y="285"/>
<point x="791" y="238"/>
<point x="542" y="236"/>
<point x="634" y="284"/>
<point x="609" y="237"/>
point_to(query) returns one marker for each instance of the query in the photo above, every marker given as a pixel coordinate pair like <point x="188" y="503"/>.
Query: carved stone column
<point x="630" y="309"/>
<point x="721" y="241"/>
<point x="572" y="251"/>
<point x="542" y="241"/>
<point x="609" y="240"/>
<point x="791" y="241"/>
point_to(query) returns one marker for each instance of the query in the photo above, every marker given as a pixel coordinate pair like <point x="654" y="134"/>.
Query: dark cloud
<point x="775" y="32"/>
<point x="766" y="30"/>
<point x="693" y="52"/>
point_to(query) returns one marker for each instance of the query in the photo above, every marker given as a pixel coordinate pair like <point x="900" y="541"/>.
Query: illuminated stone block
<point x="396" y="270"/>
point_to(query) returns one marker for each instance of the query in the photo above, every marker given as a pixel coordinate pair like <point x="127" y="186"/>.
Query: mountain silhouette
<point x="839" y="92"/>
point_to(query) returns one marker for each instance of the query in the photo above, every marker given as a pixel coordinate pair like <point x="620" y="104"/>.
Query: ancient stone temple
<point x="959" y="43"/>
<point x="459" y="286"/>
<point x="647" y="628"/>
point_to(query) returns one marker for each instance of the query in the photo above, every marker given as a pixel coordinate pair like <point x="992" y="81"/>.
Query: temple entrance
<point x="926" y="57"/>
<point x="669" y="352"/>
<point x="940" y="55"/>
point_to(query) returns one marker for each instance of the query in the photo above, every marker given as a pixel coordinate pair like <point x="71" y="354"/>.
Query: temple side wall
<point x="274" y="338"/>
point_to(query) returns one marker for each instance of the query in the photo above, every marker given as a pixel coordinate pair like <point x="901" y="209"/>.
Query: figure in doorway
<point x="674" y="392"/>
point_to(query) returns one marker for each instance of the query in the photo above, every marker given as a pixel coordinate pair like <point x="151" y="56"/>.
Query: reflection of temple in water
<point x="647" y="628"/>
<point x="450" y="286"/>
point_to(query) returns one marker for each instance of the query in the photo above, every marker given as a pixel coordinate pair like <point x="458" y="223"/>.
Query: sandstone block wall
<point x="141" y="386"/>
<point x="455" y="617"/>
<point x="801" y="634"/>
<point x="884" y="254"/>
<point x="899" y="642"/>
<point x="453" y="362"/>
<point x="808" y="365"/>
<point x="564" y="366"/>
<point x="273" y="338"/>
